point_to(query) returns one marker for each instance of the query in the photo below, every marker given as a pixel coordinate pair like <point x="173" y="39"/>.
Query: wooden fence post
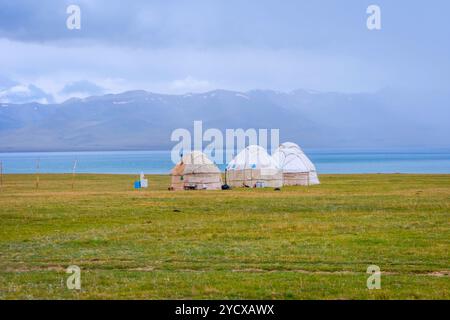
<point x="1" y="175"/>
<point x="37" y="172"/>
<point x="73" y="173"/>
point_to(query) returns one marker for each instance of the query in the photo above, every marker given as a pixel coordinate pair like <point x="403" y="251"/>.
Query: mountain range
<point x="141" y="120"/>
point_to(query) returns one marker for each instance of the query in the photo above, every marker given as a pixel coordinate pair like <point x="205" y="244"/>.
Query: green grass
<point x="298" y="243"/>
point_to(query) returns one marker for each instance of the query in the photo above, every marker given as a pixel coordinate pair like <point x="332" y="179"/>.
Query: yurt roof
<point x="289" y="145"/>
<point x="196" y="157"/>
<point x="252" y="157"/>
<point x="291" y="158"/>
<point x="195" y="162"/>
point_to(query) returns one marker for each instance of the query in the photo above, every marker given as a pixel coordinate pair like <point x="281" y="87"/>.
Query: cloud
<point x="6" y="83"/>
<point x="82" y="87"/>
<point x="170" y="46"/>
<point x="169" y="71"/>
<point x="190" y="84"/>
<point x="20" y="93"/>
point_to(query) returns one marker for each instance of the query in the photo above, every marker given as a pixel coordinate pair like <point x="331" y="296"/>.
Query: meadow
<point x="298" y="243"/>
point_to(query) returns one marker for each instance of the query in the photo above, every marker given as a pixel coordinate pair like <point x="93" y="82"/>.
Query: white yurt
<point x="254" y="167"/>
<point x="296" y="167"/>
<point x="197" y="172"/>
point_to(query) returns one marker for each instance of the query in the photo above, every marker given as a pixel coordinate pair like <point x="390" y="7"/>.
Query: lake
<point x="133" y="162"/>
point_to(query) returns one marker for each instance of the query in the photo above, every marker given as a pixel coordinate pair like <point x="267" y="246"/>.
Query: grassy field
<point x="297" y="243"/>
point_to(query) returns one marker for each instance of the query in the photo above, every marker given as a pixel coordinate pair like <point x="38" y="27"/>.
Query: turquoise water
<point x="133" y="162"/>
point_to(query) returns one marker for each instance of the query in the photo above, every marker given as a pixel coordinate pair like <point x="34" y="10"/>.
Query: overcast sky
<point x="194" y="46"/>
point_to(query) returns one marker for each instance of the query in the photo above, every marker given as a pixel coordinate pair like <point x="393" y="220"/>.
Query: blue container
<point x="137" y="184"/>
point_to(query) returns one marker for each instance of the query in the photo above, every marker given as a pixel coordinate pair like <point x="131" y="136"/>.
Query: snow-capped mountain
<point x="144" y="120"/>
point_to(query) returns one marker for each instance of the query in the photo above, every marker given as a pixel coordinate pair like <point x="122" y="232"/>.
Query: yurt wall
<point x="254" y="167"/>
<point x="196" y="171"/>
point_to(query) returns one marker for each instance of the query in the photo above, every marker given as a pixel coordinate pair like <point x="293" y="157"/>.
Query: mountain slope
<point x="144" y="120"/>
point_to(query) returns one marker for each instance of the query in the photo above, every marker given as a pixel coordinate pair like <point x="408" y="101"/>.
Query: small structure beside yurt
<point x="196" y="171"/>
<point x="254" y="167"/>
<point x="296" y="167"/>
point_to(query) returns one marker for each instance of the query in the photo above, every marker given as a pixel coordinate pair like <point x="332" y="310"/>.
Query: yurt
<point x="254" y="167"/>
<point x="296" y="167"/>
<point x="196" y="171"/>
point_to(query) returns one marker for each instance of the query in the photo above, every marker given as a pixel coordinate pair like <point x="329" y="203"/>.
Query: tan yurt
<point x="253" y="167"/>
<point x="296" y="167"/>
<point x="197" y="172"/>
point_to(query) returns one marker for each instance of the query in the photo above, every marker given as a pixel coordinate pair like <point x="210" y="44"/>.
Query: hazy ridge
<point x="144" y="120"/>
